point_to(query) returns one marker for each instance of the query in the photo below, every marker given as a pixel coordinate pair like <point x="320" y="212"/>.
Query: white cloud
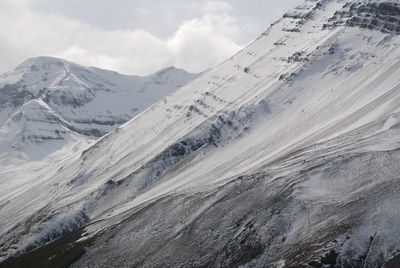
<point x="215" y="7"/>
<point x="203" y="42"/>
<point x="193" y="35"/>
<point x="196" y="45"/>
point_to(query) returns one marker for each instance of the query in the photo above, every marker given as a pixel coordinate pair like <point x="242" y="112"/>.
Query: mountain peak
<point x="41" y="62"/>
<point x="89" y="102"/>
<point x="169" y="70"/>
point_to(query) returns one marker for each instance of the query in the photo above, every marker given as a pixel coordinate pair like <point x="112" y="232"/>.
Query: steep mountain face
<point x="285" y="155"/>
<point x="47" y="103"/>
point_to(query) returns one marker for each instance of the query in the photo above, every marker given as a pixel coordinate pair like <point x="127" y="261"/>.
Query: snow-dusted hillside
<point x="285" y="155"/>
<point x="48" y="103"/>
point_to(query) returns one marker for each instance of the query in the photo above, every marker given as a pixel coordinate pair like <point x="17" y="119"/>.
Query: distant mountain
<point x="286" y="155"/>
<point x="46" y="103"/>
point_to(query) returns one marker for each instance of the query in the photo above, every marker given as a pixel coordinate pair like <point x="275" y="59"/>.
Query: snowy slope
<point x="48" y="103"/>
<point x="285" y="155"/>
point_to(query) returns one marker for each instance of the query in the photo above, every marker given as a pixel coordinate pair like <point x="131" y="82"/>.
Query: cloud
<point x="197" y="44"/>
<point x="133" y="36"/>
<point x="216" y="7"/>
<point x="204" y="42"/>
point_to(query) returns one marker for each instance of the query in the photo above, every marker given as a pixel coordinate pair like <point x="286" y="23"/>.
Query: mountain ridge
<point x="80" y="102"/>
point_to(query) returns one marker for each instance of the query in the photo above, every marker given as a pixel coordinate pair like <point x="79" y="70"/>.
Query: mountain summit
<point x="285" y="155"/>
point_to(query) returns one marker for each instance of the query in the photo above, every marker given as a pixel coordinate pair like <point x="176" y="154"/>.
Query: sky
<point x="133" y="36"/>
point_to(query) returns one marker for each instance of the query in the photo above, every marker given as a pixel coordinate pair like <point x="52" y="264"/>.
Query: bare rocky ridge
<point x="384" y="16"/>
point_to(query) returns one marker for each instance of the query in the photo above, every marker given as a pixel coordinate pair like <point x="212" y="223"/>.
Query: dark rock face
<point x="384" y="16"/>
<point x="65" y="98"/>
<point x="393" y="263"/>
<point x="12" y="94"/>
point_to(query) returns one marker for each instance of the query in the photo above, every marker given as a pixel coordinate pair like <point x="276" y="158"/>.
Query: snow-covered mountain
<point x="47" y="103"/>
<point x="285" y="155"/>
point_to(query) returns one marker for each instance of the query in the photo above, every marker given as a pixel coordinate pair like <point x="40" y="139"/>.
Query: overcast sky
<point x="133" y="36"/>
